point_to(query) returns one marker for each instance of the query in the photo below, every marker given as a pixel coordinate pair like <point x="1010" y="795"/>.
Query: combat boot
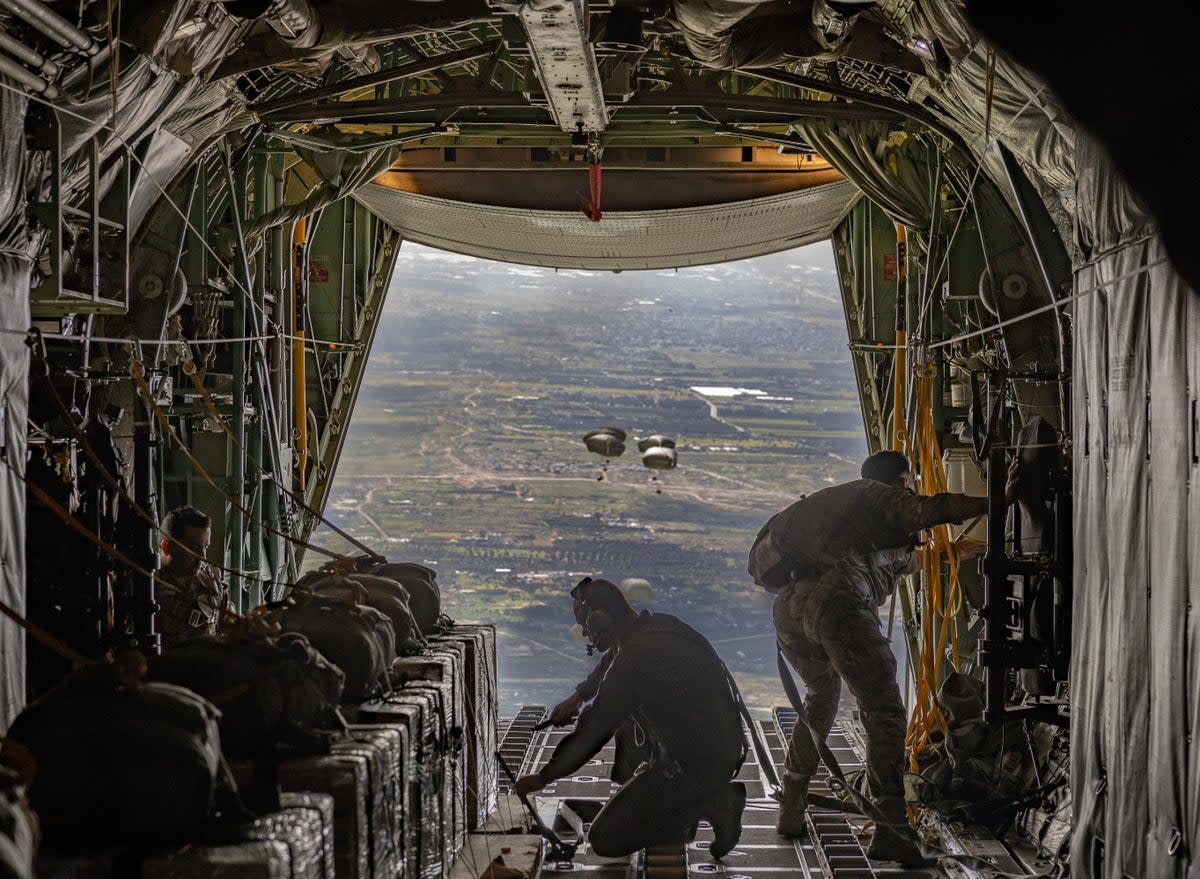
<point x="895" y="840"/>
<point x="725" y="816"/>
<point x="792" y="805"/>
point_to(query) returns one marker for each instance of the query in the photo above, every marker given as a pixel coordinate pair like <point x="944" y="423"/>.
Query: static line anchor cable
<point x="559" y="850"/>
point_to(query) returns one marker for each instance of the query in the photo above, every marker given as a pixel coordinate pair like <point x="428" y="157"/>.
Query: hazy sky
<point x="415" y="263"/>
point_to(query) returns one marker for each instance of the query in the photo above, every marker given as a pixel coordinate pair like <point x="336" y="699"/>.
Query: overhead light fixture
<point x="921" y="47"/>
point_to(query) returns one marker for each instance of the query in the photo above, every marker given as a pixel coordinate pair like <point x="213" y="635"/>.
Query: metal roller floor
<point x="832" y="849"/>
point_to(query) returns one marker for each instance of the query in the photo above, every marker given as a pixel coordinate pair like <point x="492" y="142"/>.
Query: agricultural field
<point x="465" y="448"/>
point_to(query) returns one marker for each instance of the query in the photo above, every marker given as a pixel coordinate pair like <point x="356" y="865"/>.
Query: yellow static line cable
<point x="942" y="606"/>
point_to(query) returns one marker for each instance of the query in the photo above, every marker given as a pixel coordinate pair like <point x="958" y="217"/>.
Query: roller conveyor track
<point x="833" y="848"/>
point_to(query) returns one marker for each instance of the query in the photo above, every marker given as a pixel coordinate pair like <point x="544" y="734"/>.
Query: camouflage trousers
<point x="829" y="634"/>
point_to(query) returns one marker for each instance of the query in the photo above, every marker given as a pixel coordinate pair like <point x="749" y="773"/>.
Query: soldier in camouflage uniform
<point x="827" y="622"/>
<point x="191" y="596"/>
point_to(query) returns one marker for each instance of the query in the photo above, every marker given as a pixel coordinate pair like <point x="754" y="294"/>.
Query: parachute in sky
<point x="658" y="453"/>
<point x="657" y="439"/>
<point x="637" y="589"/>
<point x="608" y="442"/>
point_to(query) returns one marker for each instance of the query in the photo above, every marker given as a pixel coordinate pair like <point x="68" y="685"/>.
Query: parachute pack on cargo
<point x="123" y="761"/>
<point x="424" y="594"/>
<point x="388" y="596"/>
<point x="393" y="599"/>
<point x="274" y="693"/>
<point x="356" y="638"/>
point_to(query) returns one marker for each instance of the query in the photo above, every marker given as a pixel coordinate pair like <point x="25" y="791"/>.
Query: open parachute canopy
<point x="637" y="589"/>
<point x="606" y="441"/>
<point x="656" y="440"/>
<point x="658" y="452"/>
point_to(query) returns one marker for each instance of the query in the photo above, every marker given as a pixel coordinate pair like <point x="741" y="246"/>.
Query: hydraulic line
<point x="27" y="78"/>
<point x="52" y="25"/>
<point x="27" y="56"/>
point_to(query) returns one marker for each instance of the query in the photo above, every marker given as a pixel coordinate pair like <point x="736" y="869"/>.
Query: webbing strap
<point x="189" y="369"/>
<point x="138" y="371"/>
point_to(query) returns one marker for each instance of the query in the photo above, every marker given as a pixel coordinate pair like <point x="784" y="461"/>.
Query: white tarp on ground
<point x="1136" y="662"/>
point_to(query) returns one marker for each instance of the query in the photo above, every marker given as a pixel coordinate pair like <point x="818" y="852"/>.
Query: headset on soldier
<point x="598" y="624"/>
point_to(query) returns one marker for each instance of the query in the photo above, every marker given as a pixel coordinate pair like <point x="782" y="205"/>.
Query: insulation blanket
<point x="1135" y="772"/>
<point x="14" y="397"/>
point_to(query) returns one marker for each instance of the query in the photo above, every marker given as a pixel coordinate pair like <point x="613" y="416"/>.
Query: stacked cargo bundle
<point x="130" y="774"/>
<point x="482" y="710"/>
<point x="404" y="819"/>
<point x="292" y="843"/>
<point x="451" y="657"/>
<point x="424" y="713"/>
<point x="445" y="701"/>
<point x="347" y="779"/>
<point x="381" y="749"/>
<point x="420" y="820"/>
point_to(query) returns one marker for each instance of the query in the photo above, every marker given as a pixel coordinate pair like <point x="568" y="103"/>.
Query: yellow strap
<point x="941" y="605"/>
